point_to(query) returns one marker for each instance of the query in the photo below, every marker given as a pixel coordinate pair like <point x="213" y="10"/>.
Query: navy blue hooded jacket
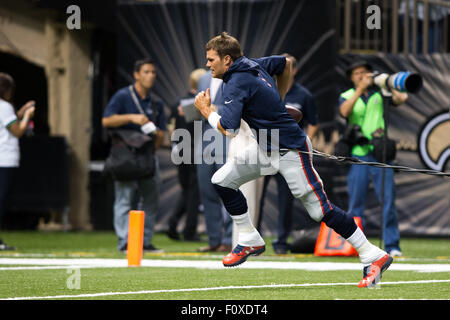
<point x="251" y="93"/>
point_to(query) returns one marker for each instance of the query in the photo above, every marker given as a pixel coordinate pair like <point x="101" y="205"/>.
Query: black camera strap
<point x="135" y="99"/>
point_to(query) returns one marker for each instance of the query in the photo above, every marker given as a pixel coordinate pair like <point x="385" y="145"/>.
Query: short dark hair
<point x="139" y="63"/>
<point x="225" y="45"/>
<point x="6" y="84"/>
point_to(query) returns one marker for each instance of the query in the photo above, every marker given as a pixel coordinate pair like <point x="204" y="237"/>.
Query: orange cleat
<point x="240" y="254"/>
<point x="372" y="273"/>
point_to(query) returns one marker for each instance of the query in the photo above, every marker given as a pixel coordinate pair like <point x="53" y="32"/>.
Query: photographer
<point x="362" y="105"/>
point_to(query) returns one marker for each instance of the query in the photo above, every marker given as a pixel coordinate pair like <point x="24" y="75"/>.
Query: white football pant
<point x="296" y="168"/>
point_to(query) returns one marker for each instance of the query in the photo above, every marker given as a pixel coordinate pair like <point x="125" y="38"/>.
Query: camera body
<point x="384" y="149"/>
<point x="353" y="135"/>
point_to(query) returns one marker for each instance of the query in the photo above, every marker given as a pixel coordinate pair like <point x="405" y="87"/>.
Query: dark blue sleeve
<point x="274" y="65"/>
<point x="341" y="101"/>
<point x="114" y="106"/>
<point x="161" y="119"/>
<point x="231" y="113"/>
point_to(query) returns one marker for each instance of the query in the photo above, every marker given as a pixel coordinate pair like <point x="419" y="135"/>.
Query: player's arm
<point x="203" y="104"/>
<point x="118" y="120"/>
<point x="283" y="79"/>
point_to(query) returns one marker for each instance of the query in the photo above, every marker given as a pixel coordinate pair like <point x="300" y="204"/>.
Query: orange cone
<point x="135" y="238"/>
<point x="329" y="243"/>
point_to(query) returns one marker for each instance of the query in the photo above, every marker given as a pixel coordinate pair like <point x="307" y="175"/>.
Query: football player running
<point x="253" y="95"/>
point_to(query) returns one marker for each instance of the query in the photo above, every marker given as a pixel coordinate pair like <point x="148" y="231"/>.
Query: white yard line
<point x="35" y="264"/>
<point x="442" y="259"/>
<point x="42" y="264"/>
<point x="36" y="268"/>
<point x="293" y="285"/>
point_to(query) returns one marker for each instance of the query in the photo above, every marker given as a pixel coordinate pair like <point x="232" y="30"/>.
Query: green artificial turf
<point x="162" y="283"/>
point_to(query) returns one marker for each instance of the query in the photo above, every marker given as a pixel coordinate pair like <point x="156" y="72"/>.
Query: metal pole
<point x="376" y="33"/>
<point x="339" y="23"/>
<point x="357" y="44"/>
<point x="395" y="26"/>
<point x="445" y="34"/>
<point x="406" y="30"/>
<point x="425" y="27"/>
<point x="414" y="29"/>
<point x="366" y="31"/>
<point x="347" y="24"/>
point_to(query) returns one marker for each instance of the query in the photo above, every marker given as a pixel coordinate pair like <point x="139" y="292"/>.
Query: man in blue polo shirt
<point x="131" y="108"/>
<point x="301" y="98"/>
<point x="253" y="95"/>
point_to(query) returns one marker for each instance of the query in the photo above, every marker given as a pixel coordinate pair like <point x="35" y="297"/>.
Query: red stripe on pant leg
<point x="314" y="173"/>
<point x="309" y="182"/>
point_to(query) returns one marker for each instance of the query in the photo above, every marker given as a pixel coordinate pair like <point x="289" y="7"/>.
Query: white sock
<point x="368" y="253"/>
<point x="357" y="239"/>
<point x="247" y="234"/>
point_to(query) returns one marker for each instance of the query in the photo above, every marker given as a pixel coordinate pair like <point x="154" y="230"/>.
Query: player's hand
<point x="203" y="102"/>
<point x="139" y="119"/>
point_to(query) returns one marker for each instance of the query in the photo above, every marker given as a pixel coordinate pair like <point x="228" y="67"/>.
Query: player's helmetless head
<point x="221" y="52"/>
<point x="145" y="73"/>
<point x="217" y="65"/>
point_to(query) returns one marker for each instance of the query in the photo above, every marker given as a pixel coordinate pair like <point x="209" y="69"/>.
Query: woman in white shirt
<point x="12" y="127"/>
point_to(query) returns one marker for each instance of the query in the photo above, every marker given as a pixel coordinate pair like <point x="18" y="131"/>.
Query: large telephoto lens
<point x="405" y="81"/>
